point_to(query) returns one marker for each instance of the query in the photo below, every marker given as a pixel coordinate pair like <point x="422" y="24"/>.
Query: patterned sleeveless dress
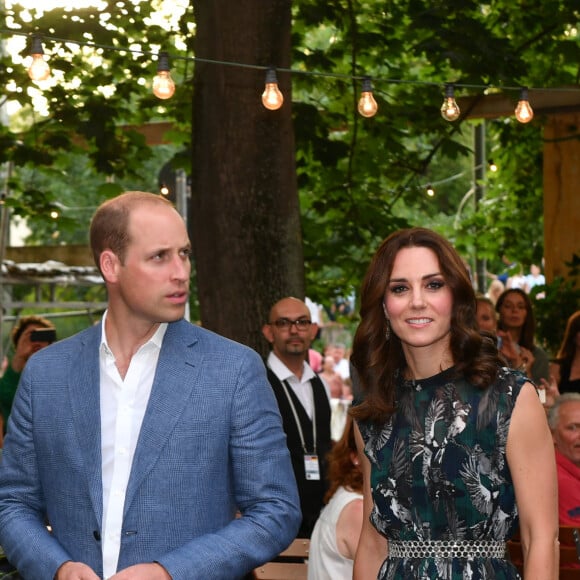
<point x="439" y="472"/>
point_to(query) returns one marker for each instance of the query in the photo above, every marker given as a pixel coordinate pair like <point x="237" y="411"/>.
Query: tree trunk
<point x="245" y="218"/>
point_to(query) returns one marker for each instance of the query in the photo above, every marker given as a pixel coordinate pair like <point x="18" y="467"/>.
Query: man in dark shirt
<point x="303" y="400"/>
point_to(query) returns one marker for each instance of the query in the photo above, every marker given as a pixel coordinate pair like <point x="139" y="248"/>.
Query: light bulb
<point x="449" y="109"/>
<point x="163" y="85"/>
<point x="38" y="69"/>
<point x="272" y="98"/>
<point x="367" y="106"/>
<point x="524" y="113"/>
<point x="492" y="166"/>
<point x="430" y="191"/>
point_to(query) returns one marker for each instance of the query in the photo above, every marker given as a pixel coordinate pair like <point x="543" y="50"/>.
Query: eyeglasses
<point x="286" y="323"/>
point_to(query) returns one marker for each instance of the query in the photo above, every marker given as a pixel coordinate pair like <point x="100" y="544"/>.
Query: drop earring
<point x="388" y="326"/>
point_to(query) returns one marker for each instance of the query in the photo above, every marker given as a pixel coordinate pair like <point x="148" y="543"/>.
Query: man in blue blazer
<point x="140" y="440"/>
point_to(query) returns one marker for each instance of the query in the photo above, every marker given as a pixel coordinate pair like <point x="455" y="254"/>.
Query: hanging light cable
<point x="38" y="69"/>
<point x="450" y="109"/>
<point x="367" y="106"/>
<point x="524" y="112"/>
<point x="272" y="98"/>
<point x="163" y="85"/>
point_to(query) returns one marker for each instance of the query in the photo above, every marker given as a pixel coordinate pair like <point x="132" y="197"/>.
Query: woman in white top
<point x="335" y="536"/>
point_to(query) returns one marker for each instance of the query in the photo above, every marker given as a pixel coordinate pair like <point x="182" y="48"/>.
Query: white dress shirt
<point x="301" y="387"/>
<point x="123" y="405"/>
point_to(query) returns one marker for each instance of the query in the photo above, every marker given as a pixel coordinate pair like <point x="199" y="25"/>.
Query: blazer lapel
<point x="84" y="390"/>
<point x="175" y="378"/>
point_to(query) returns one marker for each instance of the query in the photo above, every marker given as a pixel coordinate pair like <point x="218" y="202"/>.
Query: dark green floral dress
<point x="439" y="472"/>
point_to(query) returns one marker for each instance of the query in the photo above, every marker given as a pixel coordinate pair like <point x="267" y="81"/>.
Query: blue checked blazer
<point x="211" y="443"/>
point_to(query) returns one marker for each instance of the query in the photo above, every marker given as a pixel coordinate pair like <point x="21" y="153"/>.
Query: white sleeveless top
<point x="325" y="562"/>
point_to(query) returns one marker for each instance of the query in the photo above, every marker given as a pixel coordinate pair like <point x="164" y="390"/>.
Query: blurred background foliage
<point x="73" y="144"/>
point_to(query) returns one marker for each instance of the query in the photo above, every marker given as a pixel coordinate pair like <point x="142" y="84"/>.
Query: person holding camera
<point x="29" y="335"/>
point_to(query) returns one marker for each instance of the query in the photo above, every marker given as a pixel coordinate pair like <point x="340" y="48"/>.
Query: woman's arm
<point x="530" y="455"/>
<point x="372" y="547"/>
<point x="348" y="528"/>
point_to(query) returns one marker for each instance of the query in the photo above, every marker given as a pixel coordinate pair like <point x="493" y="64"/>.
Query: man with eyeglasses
<point x="303" y="400"/>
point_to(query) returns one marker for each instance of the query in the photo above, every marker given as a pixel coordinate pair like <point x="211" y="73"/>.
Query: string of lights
<point x="272" y="97"/>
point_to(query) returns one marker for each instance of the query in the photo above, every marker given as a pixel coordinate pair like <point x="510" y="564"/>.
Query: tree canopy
<point x="357" y="179"/>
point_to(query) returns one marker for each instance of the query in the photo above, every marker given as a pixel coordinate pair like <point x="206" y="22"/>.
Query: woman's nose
<point x="417" y="298"/>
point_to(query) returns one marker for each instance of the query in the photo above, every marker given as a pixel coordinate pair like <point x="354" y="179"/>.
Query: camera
<point x="43" y="335"/>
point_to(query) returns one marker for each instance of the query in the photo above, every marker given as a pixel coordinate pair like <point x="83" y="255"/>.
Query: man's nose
<point x="181" y="268"/>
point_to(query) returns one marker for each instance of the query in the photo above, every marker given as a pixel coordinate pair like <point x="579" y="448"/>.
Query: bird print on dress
<point x="439" y="472"/>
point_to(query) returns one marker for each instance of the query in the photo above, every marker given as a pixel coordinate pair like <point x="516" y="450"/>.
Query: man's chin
<point x="173" y="316"/>
<point x="298" y="350"/>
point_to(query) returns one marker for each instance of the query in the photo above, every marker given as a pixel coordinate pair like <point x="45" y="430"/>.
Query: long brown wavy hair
<point x="528" y="330"/>
<point x="379" y="361"/>
<point x="340" y="470"/>
<point x="568" y="347"/>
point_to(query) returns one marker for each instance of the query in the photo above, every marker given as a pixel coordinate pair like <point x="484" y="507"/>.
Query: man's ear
<point x="109" y="263"/>
<point x="267" y="332"/>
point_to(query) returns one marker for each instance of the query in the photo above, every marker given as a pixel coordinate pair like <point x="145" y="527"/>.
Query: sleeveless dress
<point x="325" y="562"/>
<point x="439" y="472"/>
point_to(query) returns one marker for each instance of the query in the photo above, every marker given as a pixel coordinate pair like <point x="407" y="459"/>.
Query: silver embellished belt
<point x="447" y="549"/>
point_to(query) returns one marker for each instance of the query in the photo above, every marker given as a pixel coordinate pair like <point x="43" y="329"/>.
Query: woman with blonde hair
<point x="496" y="287"/>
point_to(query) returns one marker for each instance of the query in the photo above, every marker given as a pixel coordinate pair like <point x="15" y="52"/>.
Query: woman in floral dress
<point x="455" y="448"/>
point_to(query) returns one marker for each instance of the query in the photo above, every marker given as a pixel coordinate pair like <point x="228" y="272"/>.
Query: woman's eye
<point x="397" y="289"/>
<point x="436" y="284"/>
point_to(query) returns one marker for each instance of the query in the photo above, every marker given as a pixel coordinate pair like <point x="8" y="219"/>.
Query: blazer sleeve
<point x="23" y="531"/>
<point x="264" y="486"/>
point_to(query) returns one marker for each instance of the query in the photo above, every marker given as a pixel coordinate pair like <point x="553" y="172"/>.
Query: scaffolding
<point x="44" y="279"/>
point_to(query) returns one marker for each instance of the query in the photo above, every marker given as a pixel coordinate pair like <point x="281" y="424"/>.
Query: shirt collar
<point x="564" y="463"/>
<point x="284" y="373"/>
<point x="156" y="339"/>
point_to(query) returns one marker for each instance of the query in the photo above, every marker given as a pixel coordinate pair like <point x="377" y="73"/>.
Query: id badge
<point x="311" y="467"/>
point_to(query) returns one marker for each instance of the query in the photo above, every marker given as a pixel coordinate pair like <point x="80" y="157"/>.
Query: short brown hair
<point x="26" y="321"/>
<point x="110" y="224"/>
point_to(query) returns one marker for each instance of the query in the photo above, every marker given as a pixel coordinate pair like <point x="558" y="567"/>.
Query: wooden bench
<point x="569" y="553"/>
<point x="291" y="564"/>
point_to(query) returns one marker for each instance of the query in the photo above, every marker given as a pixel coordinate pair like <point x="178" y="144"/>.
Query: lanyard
<point x="297" y="420"/>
